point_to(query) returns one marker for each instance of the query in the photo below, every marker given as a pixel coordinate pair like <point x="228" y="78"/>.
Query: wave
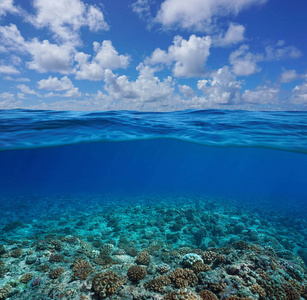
<point x="21" y="129"/>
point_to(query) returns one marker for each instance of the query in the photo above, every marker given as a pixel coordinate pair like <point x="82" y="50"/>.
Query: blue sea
<point x="195" y="179"/>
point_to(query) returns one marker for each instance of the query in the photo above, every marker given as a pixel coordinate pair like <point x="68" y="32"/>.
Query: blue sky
<point x="153" y="55"/>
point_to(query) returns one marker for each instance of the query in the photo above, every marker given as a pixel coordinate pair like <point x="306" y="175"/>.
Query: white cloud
<point x="7" y="6"/>
<point x="26" y="90"/>
<point x="21" y="96"/>
<point x="11" y="38"/>
<point x="142" y="8"/>
<point x="299" y="93"/>
<point x="222" y="87"/>
<point x="146" y="91"/>
<point x="280" y="51"/>
<point x="289" y="76"/>
<point x="234" y="35"/>
<point x="187" y="91"/>
<point x="106" y="57"/>
<point x="189" y="56"/>
<point x="8" y="101"/>
<point x="21" y="79"/>
<point x="262" y="95"/>
<point x="72" y="93"/>
<point x="243" y="62"/>
<point x="50" y="57"/>
<point x="199" y="14"/>
<point x="8" y="70"/>
<point x="54" y="84"/>
<point x="47" y="57"/>
<point x="64" y="18"/>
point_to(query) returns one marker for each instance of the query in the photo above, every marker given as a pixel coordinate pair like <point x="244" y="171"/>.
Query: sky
<point x="153" y="55"/>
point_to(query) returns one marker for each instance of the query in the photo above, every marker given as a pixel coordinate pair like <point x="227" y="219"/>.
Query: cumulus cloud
<point x="54" y="84"/>
<point x="186" y="90"/>
<point x="59" y="85"/>
<point x="50" y="57"/>
<point x="244" y="62"/>
<point x="262" y="95"/>
<point x="46" y="57"/>
<point x="279" y="51"/>
<point x="289" y="76"/>
<point x="187" y="57"/>
<point x="64" y="18"/>
<point x="11" y="38"/>
<point x="299" y="93"/>
<point x="26" y="90"/>
<point x="200" y="14"/>
<point x="234" y="35"/>
<point x="7" y="6"/>
<point x="8" y="101"/>
<point x="105" y="57"/>
<point x="222" y="87"/>
<point x="8" y="70"/>
<point x="21" y="79"/>
<point x="142" y="8"/>
<point x="146" y="88"/>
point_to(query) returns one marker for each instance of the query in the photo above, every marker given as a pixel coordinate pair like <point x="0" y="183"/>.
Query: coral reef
<point x="143" y="258"/>
<point x="183" y="278"/>
<point x="57" y="272"/>
<point x="106" y="283"/>
<point x="136" y="273"/>
<point x="25" y="278"/>
<point x="82" y="269"/>
<point x="166" y="251"/>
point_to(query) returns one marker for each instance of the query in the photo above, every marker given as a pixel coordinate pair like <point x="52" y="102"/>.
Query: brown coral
<point x="57" y="272"/>
<point x="136" y="273"/>
<point x="106" y="249"/>
<point x="26" y="277"/>
<point x="291" y="292"/>
<point x="158" y="284"/>
<point x="241" y="245"/>
<point x="163" y="268"/>
<point x="257" y="289"/>
<point x="217" y="286"/>
<point x="82" y="269"/>
<point x="181" y="295"/>
<point x="208" y="257"/>
<point x="238" y="298"/>
<point x="57" y="244"/>
<point x="183" y="278"/>
<point x="16" y="252"/>
<point x="56" y="258"/>
<point x="105" y="283"/>
<point x="200" y="267"/>
<point x="4" y="291"/>
<point x="207" y="295"/>
<point x="143" y="258"/>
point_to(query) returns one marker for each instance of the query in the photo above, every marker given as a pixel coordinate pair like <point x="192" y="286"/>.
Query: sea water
<point x="198" y="180"/>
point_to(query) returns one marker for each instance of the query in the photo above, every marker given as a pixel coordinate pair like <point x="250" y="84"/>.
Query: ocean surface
<point x="61" y="169"/>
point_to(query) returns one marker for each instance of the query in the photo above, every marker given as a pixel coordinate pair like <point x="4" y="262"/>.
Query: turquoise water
<point x="61" y="169"/>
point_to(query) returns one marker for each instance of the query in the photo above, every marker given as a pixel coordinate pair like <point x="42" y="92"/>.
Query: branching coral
<point x="57" y="272"/>
<point x="106" y="283"/>
<point x="183" y="278"/>
<point x="158" y="284"/>
<point x="82" y="269"/>
<point x="136" y="273"/>
<point x="143" y="258"/>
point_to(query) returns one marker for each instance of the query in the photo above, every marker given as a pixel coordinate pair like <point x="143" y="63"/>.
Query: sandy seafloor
<point x="149" y="247"/>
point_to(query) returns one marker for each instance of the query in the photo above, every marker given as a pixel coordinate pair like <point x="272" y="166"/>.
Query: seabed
<point x="149" y="247"/>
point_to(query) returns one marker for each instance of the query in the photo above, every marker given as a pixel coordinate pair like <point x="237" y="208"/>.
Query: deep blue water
<point x="253" y="157"/>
